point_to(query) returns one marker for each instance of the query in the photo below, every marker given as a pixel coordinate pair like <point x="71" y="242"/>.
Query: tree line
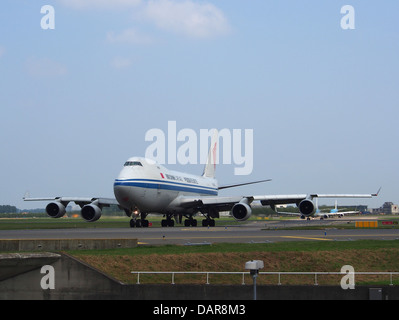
<point x="8" y="209"/>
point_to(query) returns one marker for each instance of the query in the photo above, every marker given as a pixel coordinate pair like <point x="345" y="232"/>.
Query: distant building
<point x="361" y="208"/>
<point x="389" y="208"/>
<point x="375" y="210"/>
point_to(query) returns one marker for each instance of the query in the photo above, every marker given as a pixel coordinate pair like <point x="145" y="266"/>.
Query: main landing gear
<point x="169" y="222"/>
<point x="208" y="222"/>
<point x="139" y="223"/>
<point x="139" y="220"/>
<point x="190" y="222"/>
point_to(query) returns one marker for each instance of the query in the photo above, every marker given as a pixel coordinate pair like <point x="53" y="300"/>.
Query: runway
<point x="254" y="232"/>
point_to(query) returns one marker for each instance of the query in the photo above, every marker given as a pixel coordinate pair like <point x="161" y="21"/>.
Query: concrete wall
<point x="75" y="280"/>
<point x="13" y="264"/>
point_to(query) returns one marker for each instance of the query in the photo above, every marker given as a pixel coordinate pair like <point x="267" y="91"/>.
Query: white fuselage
<point x="149" y="187"/>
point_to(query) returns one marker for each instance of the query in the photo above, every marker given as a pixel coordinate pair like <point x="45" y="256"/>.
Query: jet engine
<point x="241" y="211"/>
<point x="90" y="212"/>
<point x="307" y="207"/>
<point x="55" y="209"/>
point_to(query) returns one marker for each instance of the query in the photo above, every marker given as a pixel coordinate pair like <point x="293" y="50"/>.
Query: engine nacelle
<point x="241" y="211"/>
<point x="55" y="209"/>
<point x="306" y="207"/>
<point x="90" y="212"/>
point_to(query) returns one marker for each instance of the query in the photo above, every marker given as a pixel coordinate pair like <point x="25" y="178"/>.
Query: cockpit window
<point x="133" y="163"/>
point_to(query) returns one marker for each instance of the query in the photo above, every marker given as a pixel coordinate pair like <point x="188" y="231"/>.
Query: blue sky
<point x="77" y="101"/>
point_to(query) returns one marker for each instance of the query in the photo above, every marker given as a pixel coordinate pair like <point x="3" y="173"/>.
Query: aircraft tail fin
<point x="210" y="167"/>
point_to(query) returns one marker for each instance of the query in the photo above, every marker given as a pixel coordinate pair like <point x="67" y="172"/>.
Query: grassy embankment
<point x="309" y="256"/>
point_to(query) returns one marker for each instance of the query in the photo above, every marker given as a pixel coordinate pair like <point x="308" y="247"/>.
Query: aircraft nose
<point x="121" y="193"/>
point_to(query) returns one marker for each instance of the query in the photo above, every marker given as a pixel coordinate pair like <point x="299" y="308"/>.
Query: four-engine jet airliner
<point x="144" y="186"/>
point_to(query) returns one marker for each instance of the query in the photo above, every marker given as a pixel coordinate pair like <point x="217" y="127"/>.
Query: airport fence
<point x="365" y="277"/>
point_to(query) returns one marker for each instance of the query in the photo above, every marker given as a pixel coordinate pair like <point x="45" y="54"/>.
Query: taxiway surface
<point x="254" y="232"/>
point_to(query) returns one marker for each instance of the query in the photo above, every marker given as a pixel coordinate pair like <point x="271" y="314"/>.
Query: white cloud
<point x="45" y="68"/>
<point x="129" y="36"/>
<point x="100" y="4"/>
<point x="121" y="63"/>
<point x="187" y="17"/>
<point x="192" y="18"/>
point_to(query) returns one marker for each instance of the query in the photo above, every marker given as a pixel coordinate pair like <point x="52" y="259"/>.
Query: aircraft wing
<point x="289" y="199"/>
<point x="192" y="201"/>
<point x="81" y="201"/>
<point x="240" y="205"/>
<point x="91" y="207"/>
<point x="219" y="203"/>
